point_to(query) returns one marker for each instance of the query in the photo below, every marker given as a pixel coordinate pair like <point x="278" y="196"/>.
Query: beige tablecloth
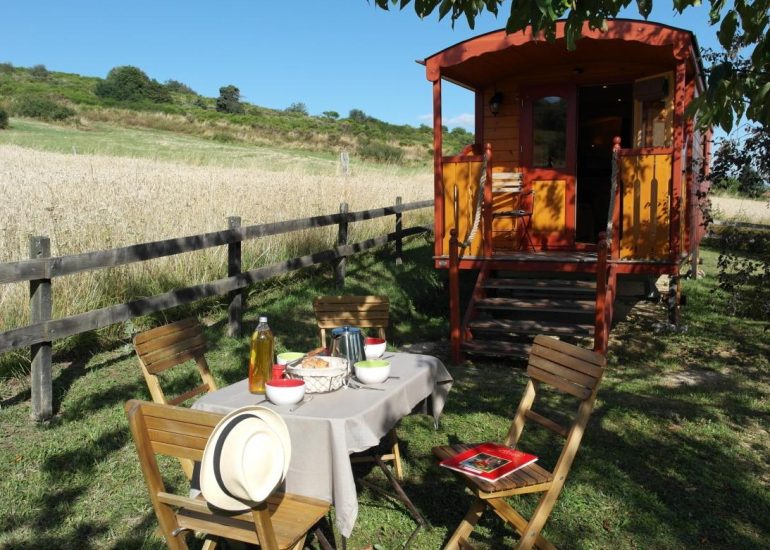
<point x="329" y="427"/>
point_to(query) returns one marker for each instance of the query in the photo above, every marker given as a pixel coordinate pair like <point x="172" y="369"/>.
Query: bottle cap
<point x="263" y="319"/>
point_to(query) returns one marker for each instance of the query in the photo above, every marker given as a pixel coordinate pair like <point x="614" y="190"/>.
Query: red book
<point x="489" y="461"/>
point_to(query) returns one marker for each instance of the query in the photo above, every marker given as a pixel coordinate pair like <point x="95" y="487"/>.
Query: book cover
<point x="489" y="461"/>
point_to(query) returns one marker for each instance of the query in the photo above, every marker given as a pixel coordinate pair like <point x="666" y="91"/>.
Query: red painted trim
<point x="622" y="268"/>
<point x="565" y="240"/>
<point x="646" y="151"/>
<point x="455" y="336"/>
<point x="456" y="159"/>
<point x="601" y="332"/>
<point x="438" y="171"/>
<point x="653" y="34"/>
<point x="487" y="210"/>
<point x="676" y="177"/>
<point x="478" y="117"/>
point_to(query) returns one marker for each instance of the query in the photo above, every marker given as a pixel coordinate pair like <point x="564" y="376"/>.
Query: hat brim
<point x="260" y="456"/>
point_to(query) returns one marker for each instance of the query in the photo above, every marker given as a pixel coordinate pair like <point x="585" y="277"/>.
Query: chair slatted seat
<point x="569" y="369"/>
<point x="282" y="521"/>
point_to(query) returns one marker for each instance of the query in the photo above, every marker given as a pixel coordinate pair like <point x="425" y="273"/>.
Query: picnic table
<point x="328" y="427"/>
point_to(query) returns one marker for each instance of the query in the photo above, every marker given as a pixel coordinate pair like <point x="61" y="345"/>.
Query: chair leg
<point x="519" y="523"/>
<point x="209" y="544"/>
<point x="466" y="525"/>
<point x="397" y="466"/>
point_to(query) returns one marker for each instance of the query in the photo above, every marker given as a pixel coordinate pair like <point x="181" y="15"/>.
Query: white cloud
<point x="464" y="120"/>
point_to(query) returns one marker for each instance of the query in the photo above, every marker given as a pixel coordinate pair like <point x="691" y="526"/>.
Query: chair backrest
<point x="357" y="311"/>
<point x="182" y="433"/>
<point x="162" y="348"/>
<point x="570" y="369"/>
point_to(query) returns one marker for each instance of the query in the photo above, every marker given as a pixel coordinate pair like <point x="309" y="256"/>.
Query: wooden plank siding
<point x="465" y="175"/>
<point x="646" y="177"/>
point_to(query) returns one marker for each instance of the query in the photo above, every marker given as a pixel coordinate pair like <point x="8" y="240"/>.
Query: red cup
<point x="278" y="371"/>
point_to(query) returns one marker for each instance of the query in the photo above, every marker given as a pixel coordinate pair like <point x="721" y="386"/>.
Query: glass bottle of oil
<point x="260" y="357"/>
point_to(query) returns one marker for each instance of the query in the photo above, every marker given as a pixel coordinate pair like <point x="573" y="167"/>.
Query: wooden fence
<point x="41" y="268"/>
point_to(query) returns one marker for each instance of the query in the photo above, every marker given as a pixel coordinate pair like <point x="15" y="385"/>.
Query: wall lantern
<point x="495" y="102"/>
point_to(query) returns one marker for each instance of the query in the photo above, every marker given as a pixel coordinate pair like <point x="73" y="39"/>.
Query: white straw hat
<point x="244" y="460"/>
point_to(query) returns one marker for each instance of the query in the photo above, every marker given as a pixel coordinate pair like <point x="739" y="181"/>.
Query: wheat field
<point x="92" y="202"/>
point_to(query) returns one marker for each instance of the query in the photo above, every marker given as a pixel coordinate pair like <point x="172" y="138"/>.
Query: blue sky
<point x="330" y="55"/>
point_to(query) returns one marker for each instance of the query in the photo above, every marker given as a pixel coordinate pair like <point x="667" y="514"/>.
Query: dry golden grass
<point x="86" y="203"/>
<point x="741" y="210"/>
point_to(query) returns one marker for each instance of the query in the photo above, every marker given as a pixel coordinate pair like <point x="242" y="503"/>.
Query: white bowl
<point x="289" y="356"/>
<point x="374" y="348"/>
<point x="284" y="391"/>
<point x="372" y="371"/>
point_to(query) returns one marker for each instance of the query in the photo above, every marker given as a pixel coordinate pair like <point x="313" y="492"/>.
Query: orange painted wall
<point x="645" y="211"/>
<point x="465" y="175"/>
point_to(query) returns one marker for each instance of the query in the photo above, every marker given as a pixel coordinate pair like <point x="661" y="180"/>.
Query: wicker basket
<point x="322" y="380"/>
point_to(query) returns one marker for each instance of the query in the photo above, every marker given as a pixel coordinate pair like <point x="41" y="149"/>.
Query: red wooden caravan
<point x="582" y="183"/>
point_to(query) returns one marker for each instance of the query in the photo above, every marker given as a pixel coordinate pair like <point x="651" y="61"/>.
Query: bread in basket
<point x="319" y="378"/>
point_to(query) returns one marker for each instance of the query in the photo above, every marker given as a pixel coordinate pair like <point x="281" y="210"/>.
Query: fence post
<point x="342" y="239"/>
<point x="40" y="305"/>
<point x="235" y="307"/>
<point x="399" y="227"/>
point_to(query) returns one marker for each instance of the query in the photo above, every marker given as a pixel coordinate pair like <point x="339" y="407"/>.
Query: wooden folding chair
<point x="281" y="521"/>
<point x="356" y="311"/>
<point x="571" y="370"/>
<point x="372" y="312"/>
<point x="162" y="348"/>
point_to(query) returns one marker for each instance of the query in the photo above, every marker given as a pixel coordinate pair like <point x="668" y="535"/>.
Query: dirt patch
<point x="692" y="377"/>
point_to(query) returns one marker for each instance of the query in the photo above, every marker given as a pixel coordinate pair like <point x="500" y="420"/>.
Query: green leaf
<point x="726" y="32"/>
<point x="444" y="8"/>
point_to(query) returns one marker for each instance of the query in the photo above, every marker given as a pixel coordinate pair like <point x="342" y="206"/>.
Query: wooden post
<point x="40" y="304"/>
<point x="674" y="298"/>
<point x="342" y="239"/>
<point x="600" y="319"/>
<point x="235" y="307"/>
<point x="399" y="227"/>
<point x="487" y="208"/>
<point x="454" y="296"/>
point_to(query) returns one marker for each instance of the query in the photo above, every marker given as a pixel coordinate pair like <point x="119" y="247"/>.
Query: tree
<point x="229" y="100"/>
<point x="738" y="79"/>
<point x="129" y="83"/>
<point x="3" y="119"/>
<point x="332" y="115"/>
<point x="742" y="164"/>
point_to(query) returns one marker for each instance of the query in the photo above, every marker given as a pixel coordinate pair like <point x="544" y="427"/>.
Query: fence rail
<point x="40" y="269"/>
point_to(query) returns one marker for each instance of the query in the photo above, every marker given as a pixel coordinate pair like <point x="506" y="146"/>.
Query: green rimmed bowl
<point x="372" y="371"/>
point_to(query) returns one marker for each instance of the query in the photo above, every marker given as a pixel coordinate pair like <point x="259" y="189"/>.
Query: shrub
<point x="179" y="87"/>
<point x="39" y="71"/>
<point x="3" y="119"/>
<point x="358" y="115"/>
<point x="129" y="83"/>
<point x="297" y="108"/>
<point x="43" y="108"/>
<point x="6" y="68"/>
<point x="382" y="152"/>
<point x="229" y="100"/>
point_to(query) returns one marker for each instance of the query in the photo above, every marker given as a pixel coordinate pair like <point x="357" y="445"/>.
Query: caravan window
<point x="550" y="132"/>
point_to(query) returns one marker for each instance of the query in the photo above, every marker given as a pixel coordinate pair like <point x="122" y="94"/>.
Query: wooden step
<point x="526" y="326"/>
<point x="541" y="305"/>
<point x="497" y="348"/>
<point x="555" y="285"/>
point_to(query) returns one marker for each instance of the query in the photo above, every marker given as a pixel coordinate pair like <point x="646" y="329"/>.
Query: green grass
<point x="675" y="455"/>
<point x="365" y="137"/>
<point x="111" y="140"/>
